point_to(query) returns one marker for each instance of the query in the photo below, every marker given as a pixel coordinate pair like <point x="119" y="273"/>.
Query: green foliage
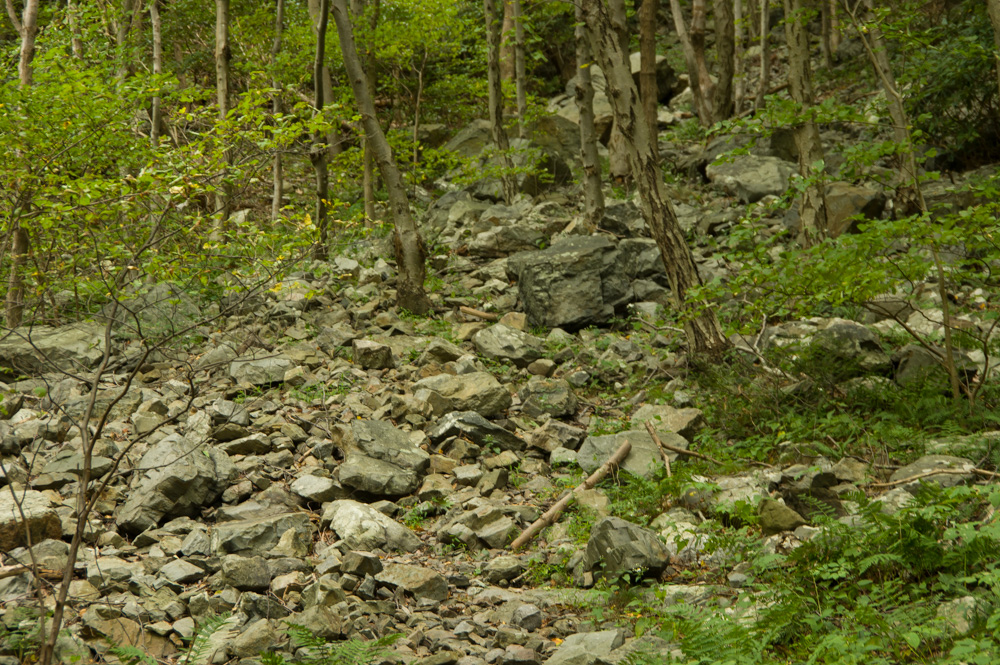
<point x="21" y="634"/>
<point x="319" y="651"/>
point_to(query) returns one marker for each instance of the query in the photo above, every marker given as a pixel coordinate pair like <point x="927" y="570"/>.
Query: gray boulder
<point x="259" y="371"/>
<point x="686" y="421"/>
<point x="776" y="517"/>
<point x="503" y="343"/>
<point x="960" y="472"/>
<point x="576" y="282"/>
<point x="617" y="547"/>
<point x="259" y="535"/>
<point x="372" y="355"/>
<point x="45" y="349"/>
<point x="916" y="366"/>
<point x="643" y="460"/>
<point x="35" y="516"/>
<point x="176" y="477"/>
<point x="382" y="460"/>
<point x="552" y="397"/>
<point x="423" y="583"/>
<point x="365" y="528"/>
<point x="472" y="426"/>
<point x="476" y="391"/>
<point x="750" y="178"/>
<point x="587" y="648"/>
<point x="537" y="170"/>
<point x="156" y="310"/>
<point x="853" y="349"/>
<point x="845" y="202"/>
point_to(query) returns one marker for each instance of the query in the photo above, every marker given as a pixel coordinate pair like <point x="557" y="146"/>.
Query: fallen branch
<point x="478" y="314"/>
<point x="939" y="472"/>
<point x="44" y="573"/>
<point x="552" y="513"/>
<point x="675" y="449"/>
<point x="659" y="444"/>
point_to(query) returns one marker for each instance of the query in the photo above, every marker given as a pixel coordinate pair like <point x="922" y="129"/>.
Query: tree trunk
<point x="406" y="240"/>
<point x="618" y="164"/>
<point x="647" y="63"/>
<point x="834" y="27"/>
<point x="725" y="48"/>
<point x="693" y="44"/>
<point x="765" y="54"/>
<point x="155" y="115"/>
<point x="993" y="7"/>
<point x="520" y="77"/>
<point x="320" y="152"/>
<point x="739" y="57"/>
<point x="333" y="139"/>
<point x="507" y="66"/>
<point x="496" y="99"/>
<point x="28" y="28"/>
<point x="812" y="211"/>
<point x="594" y="197"/>
<point x="277" y="174"/>
<point x="76" y="42"/>
<point x="15" y="283"/>
<point x="702" y="328"/>
<point x="223" y="193"/>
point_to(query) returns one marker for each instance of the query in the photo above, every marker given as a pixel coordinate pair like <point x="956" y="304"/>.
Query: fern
<point x="130" y="655"/>
<point x="323" y="652"/>
<point x="199" y="650"/>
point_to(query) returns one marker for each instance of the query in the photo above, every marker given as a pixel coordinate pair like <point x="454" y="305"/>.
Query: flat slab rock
<point x="39" y="519"/>
<point x="929" y="463"/>
<point x="423" y="583"/>
<point x="643" y="460"/>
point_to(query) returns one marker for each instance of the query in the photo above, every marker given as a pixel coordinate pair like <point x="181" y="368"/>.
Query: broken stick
<point x="479" y="314"/>
<point x="679" y="451"/>
<point x="659" y="444"/>
<point x="552" y="513"/>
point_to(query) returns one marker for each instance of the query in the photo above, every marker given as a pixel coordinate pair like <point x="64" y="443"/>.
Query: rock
<point x="552" y="397"/>
<point x="515" y="654"/>
<point x="917" y="367"/>
<point x="475" y="428"/>
<point x="845" y="201"/>
<point x="376" y="477"/>
<point x="175" y="478"/>
<point x="930" y="463"/>
<point x="471" y="139"/>
<point x="958" y="615"/>
<point x="477" y="391"/>
<point x="537" y="169"/>
<point x="849" y="349"/>
<point x="527" y="617"/>
<point x="372" y="355"/>
<point x="557" y="134"/>
<point x="506" y="239"/>
<point x="617" y="547"/>
<point x="502" y="569"/>
<point x="246" y="573"/>
<point x="643" y="460"/>
<point x="35" y="516"/>
<point x="154" y="310"/>
<point x="255" y="639"/>
<point x="31" y="351"/>
<point x="259" y="372"/>
<point x="423" y="583"/>
<point x="575" y="282"/>
<point x="382" y="461"/>
<point x="361" y="564"/>
<point x="502" y="343"/>
<point x="440" y="351"/>
<point x="776" y="517"/>
<point x="749" y="177"/>
<point x="685" y="421"/>
<point x="587" y="648"/>
<point x="180" y="571"/>
<point x="259" y="535"/>
<point x="364" y="528"/>
<point x="315" y="489"/>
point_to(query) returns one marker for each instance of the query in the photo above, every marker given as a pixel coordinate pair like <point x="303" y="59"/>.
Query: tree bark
<point x="155" y="114"/>
<point x="76" y="41"/>
<point x="28" y="29"/>
<point x="277" y="171"/>
<point x="496" y="99"/>
<point x="320" y="152"/>
<point x="406" y="240"/>
<point x="507" y="66"/>
<point x="368" y="64"/>
<point x="812" y="210"/>
<point x="739" y="57"/>
<point x="593" y="195"/>
<point x="993" y="7"/>
<point x="693" y="45"/>
<point x="765" y="54"/>
<point x="520" y="77"/>
<point x="702" y="328"/>
<point x="647" y="63"/>
<point x="223" y="193"/>
<point x="725" y="49"/>
<point x="618" y="162"/>
<point x="15" y="282"/>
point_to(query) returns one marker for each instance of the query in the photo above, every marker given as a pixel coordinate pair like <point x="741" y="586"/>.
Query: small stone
<point x="528" y="617"/>
<point x="361" y="564"/>
<point x="372" y="355"/>
<point x="246" y="573"/>
<point x="776" y="517"/>
<point x="542" y="367"/>
<point x="182" y="572"/>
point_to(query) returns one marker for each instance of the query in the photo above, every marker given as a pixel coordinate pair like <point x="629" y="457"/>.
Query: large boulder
<point x="617" y="547"/>
<point x="382" y="461"/>
<point x="175" y="478"/>
<point x="423" y="583"/>
<point x="259" y="371"/>
<point x="749" y="177"/>
<point x="260" y="535"/>
<point x="35" y="516"/>
<point x="852" y="349"/>
<point x="475" y="428"/>
<point x="644" y="459"/>
<point x="505" y="344"/>
<point x="476" y="391"/>
<point x="959" y="471"/>
<point x="536" y="170"/>
<point x="576" y="282"/>
<point x="45" y="349"/>
<point x="154" y="311"/>
<point x="365" y="528"/>
<point x="845" y="203"/>
<point x="587" y="648"/>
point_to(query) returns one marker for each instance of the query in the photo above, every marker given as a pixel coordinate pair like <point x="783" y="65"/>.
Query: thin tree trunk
<point x="693" y="44"/>
<point x="739" y="57"/>
<point x="368" y="159"/>
<point x="277" y="174"/>
<point x="76" y="41"/>
<point x="725" y="48"/>
<point x="520" y="77"/>
<point x="594" y="197"/>
<point x="993" y="7"/>
<point x="812" y="211"/>
<point x="647" y="62"/>
<point x="702" y="328"/>
<point x="333" y="139"/>
<point x="909" y="183"/>
<point x="834" y="27"/>
<point x="223" y="193"/>
<point x="416" y="107"/>
<point x="824" y="34"/>
<point x="496" y="99"/>
<point x="618" y="161"/>
<point x="320" y="153"/>
<point x="765" y="54"/>
<point x="508" y="69"/>
<point x="409" y="247"/>
<point x="156" y="115"/>
<point x="28" y="29"/>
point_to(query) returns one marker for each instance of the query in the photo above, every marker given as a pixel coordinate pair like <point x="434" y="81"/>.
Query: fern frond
<point x="201" y="645"/>
<point x="130" y="655"/>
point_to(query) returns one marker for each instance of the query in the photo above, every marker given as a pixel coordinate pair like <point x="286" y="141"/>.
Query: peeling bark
<point x="647" y="62"/>
<point x="496" y="99"/>
<point x="594" y="196"/>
